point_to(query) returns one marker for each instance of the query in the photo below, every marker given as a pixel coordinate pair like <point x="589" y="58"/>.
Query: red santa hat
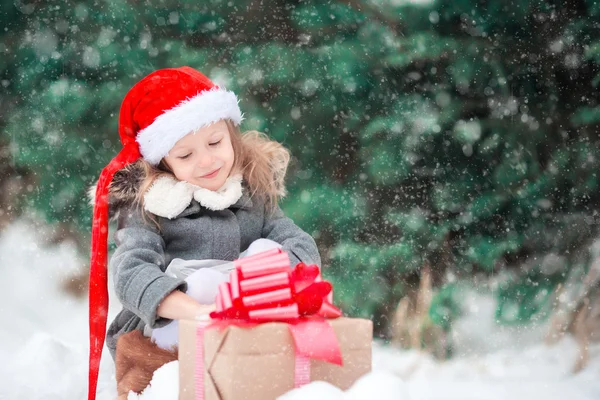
<point x="158" y="111"/>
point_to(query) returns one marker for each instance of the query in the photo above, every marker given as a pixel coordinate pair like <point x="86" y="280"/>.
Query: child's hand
<point x="167" y="337"/>
<point x="178" y="305"/>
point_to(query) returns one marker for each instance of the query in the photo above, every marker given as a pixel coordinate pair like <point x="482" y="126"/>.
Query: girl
<point x="187" y="185"/>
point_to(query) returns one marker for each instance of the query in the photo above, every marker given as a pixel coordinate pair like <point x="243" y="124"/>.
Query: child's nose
<point x="206" y="161"/>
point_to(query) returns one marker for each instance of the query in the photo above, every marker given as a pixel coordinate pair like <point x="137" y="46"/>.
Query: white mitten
<point x="203" y="286"/>
<point x="260" y="245"/>
<point x="167" y="337"/>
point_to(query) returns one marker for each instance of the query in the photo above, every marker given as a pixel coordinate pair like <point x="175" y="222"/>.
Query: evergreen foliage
<point x="461" y="134"/>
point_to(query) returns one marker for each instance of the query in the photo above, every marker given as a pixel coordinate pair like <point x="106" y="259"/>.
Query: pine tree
<point x="457" y="134"/>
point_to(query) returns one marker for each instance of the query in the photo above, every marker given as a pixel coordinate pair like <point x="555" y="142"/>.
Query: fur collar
<point x="168" y="197"/>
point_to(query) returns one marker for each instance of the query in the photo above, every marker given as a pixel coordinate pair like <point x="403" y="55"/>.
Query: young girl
<point x="187" y="187"/>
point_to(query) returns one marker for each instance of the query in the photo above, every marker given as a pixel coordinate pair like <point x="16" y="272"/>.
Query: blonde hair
<point x="261" y="161"/>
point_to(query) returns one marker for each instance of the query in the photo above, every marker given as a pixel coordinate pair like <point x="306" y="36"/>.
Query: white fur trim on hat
<point x="199" y="111"/>
<point x="168" y="197"/>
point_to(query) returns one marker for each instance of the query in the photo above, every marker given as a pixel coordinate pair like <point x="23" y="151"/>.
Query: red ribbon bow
<point x="263" y="287"/>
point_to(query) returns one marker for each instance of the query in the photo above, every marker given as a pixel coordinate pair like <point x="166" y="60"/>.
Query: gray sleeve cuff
<point x="297" y="253"/>
<point x="150" y="293"/>
<point x="293" y="258"/>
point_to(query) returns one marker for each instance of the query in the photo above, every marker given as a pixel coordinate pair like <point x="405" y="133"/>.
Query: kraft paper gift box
<point x="274" y="328"/>
<point x="259" y="362"/>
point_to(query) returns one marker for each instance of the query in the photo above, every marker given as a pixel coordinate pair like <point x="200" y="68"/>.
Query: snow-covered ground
<point x="43" y="346"/>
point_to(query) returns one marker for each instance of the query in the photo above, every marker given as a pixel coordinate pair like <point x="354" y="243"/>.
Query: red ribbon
<point x="264" y="288"/>
<point x="98" y="303"/>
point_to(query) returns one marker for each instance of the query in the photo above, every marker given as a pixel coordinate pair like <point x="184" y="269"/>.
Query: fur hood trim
<point x="123" y="189"/>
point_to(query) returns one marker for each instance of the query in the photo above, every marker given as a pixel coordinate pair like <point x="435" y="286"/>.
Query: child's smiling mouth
<point x="211" y="175"/>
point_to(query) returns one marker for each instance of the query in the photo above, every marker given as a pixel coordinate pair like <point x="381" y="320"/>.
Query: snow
<point x="44" y="346"/>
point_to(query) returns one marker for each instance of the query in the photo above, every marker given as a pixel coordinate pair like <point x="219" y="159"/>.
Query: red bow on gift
<point x="263" y="287"/>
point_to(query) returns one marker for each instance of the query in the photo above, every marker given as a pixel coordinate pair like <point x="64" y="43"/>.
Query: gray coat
<point x="143" y="252"/>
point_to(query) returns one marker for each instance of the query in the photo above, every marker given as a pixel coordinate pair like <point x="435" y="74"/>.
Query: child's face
<point x="202" y="152"/>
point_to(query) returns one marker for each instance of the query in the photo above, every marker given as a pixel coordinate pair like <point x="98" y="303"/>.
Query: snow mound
<point x="317" y="390"/>
<point x="28" y="375"/>
<point x="381" y="385"/>
<point x="44" y="347"/>
<point x="163" y="386"/>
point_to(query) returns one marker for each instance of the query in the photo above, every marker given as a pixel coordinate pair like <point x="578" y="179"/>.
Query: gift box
<point x="260" y="362"/>
<point x="274" y="329"/>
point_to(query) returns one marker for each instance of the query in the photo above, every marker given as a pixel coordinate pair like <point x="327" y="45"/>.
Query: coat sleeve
<point x="138" y="266"/>
<point x="301" y="247"/>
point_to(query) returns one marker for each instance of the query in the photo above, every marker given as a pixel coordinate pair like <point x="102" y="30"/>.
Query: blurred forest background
<point x="438" y="145"/>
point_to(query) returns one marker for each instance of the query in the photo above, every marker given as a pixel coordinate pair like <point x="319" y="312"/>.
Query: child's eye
<point x="186" y="156"/>
<point x="215" y="143"/>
